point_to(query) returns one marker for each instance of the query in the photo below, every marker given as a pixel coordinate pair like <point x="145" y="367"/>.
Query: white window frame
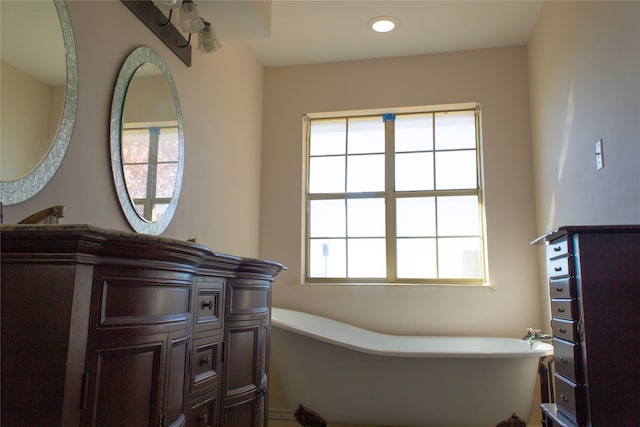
<point x="390" y="196"/>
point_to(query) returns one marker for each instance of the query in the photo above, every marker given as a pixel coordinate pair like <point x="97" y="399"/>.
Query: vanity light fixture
<point x="168" y="4"/>
<point x="149" y="12"/>
<point x="190" y="21"/>
<point x="208" y="39"/>
<point x="382" y="24"/>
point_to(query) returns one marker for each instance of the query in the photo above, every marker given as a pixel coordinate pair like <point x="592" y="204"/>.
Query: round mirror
<point x="39" y="80"/>
<point x="147" y="145"/>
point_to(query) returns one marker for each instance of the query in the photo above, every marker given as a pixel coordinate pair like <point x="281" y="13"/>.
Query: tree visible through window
<point x="150" y="157"/>
<point x="395" y="198"/>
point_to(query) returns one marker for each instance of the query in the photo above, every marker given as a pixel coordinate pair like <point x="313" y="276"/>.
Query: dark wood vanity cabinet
<point x="594" y="280"/>
<point x="104" y="328"/>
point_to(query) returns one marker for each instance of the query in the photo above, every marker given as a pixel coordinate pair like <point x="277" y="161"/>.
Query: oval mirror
<point x="39" y="80"/>
<point x="147" y="145"/>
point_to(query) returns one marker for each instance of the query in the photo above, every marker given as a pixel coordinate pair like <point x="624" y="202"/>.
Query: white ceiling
<point x="314" y="31"/>
<point x="289" y="32"/>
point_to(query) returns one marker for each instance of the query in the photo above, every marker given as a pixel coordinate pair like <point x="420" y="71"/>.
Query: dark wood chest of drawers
<point x="594" y="287"/>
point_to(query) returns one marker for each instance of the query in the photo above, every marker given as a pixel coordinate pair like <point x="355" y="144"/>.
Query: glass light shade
<point x="190" y="20"/>
<point x="168" y="4"/>
<point x="208" y="40"/>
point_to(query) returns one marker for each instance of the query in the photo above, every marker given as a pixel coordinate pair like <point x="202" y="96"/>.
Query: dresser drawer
<point x="562" y="288"/>
<point x="566" y="394"/>
<point x="557" y="248"/>
<point x="565" y="329"/>
<point x="563" y="309"/>
<point x="558" y="267"/>
<point x="565" y="355"/>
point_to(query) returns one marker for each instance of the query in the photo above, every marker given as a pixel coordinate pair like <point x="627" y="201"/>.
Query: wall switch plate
<point x="599" y="155"/>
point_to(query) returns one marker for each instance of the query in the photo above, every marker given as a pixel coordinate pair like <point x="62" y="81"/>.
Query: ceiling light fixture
<point x="383" y="24"/>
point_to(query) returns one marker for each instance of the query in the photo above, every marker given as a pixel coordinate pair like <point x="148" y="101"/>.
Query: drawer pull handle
<point x="207" y="304"/>
<point x="557" y="268"/>
<point x="564" y="398"/>
<point x="560" y="310"/>
<point x="205" y="361"/>
<point x="563" y="360"/>
<point x="559" y="289"/>
<point x="557" y="248"/>
<point x="562" y="330"/>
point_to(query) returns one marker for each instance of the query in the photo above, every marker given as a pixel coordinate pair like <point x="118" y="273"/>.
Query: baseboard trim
<point x="281" y="414"/>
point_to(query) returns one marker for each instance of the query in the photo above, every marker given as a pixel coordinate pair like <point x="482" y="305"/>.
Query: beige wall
<point x="584" y="68"/>
<point x="497" y="79"/>
<point x="29" y="107"/>
<point x="221" y="100"/>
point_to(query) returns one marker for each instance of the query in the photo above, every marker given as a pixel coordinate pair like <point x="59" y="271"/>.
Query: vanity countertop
<point x="86" y="241"/>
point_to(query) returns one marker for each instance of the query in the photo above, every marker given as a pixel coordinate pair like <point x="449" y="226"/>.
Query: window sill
<point x="402" y="284"/>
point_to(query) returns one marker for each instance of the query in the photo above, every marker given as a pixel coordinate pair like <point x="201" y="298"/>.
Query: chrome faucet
<point x="536" y="335"/>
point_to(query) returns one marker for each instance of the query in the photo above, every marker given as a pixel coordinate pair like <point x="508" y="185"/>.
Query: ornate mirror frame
<point x="135" y="60"/>
<point x="12" y="192"/>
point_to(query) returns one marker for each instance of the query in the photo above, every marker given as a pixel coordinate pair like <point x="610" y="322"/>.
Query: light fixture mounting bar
<point x="156" y="21"/>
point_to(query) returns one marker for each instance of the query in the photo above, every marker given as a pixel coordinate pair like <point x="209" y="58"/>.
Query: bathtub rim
<point x="382" y="344"/>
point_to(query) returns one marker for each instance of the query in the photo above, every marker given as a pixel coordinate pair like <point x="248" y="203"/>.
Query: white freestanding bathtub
<point x="353" y="375"/>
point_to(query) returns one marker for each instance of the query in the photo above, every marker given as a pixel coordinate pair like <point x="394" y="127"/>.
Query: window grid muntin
<point x="391" y="196"/>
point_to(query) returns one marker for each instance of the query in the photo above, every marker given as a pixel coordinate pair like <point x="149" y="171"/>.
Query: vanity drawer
<point x="206" y="359"/>
<point x="558" y="267"/>
<point x="248" y="298"/>
<point x="204" y="411"/>
<point x="563" y="309"/>
<point x="208" y="304"/>
<point x="137" y="298"/>
<point x="565" y="329"/>
<point x="557" y="248"/>
<point x="562" y="288"/>
<point x="565" y="355"/>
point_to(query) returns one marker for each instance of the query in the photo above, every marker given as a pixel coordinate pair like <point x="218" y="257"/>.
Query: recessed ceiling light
<point x="383" y="24"/>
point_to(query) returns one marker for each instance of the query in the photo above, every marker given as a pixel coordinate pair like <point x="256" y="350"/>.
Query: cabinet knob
<point x="563" y="360"/>
<point x="562" y="330"/>
<point x="205" y="361"/>
<point x="564" y="398"/>
<point x="207" y="304"/>
<point x="557" y="268"/>
<point x="557" y="248"/>
<point x="202" y="419"/>
<point x="560" y="310"/>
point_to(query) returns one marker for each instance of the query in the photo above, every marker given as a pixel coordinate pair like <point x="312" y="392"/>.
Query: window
<point x="395" y="198"/>
<point x="150" y="157"/>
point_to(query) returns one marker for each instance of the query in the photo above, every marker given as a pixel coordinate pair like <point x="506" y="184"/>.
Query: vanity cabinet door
<point x="44" y="310"/>
<point x="125" y="381"/>
<point x="137" y="349"/>
<point x="246" y="337"/>
<point x="245" y="379"/>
